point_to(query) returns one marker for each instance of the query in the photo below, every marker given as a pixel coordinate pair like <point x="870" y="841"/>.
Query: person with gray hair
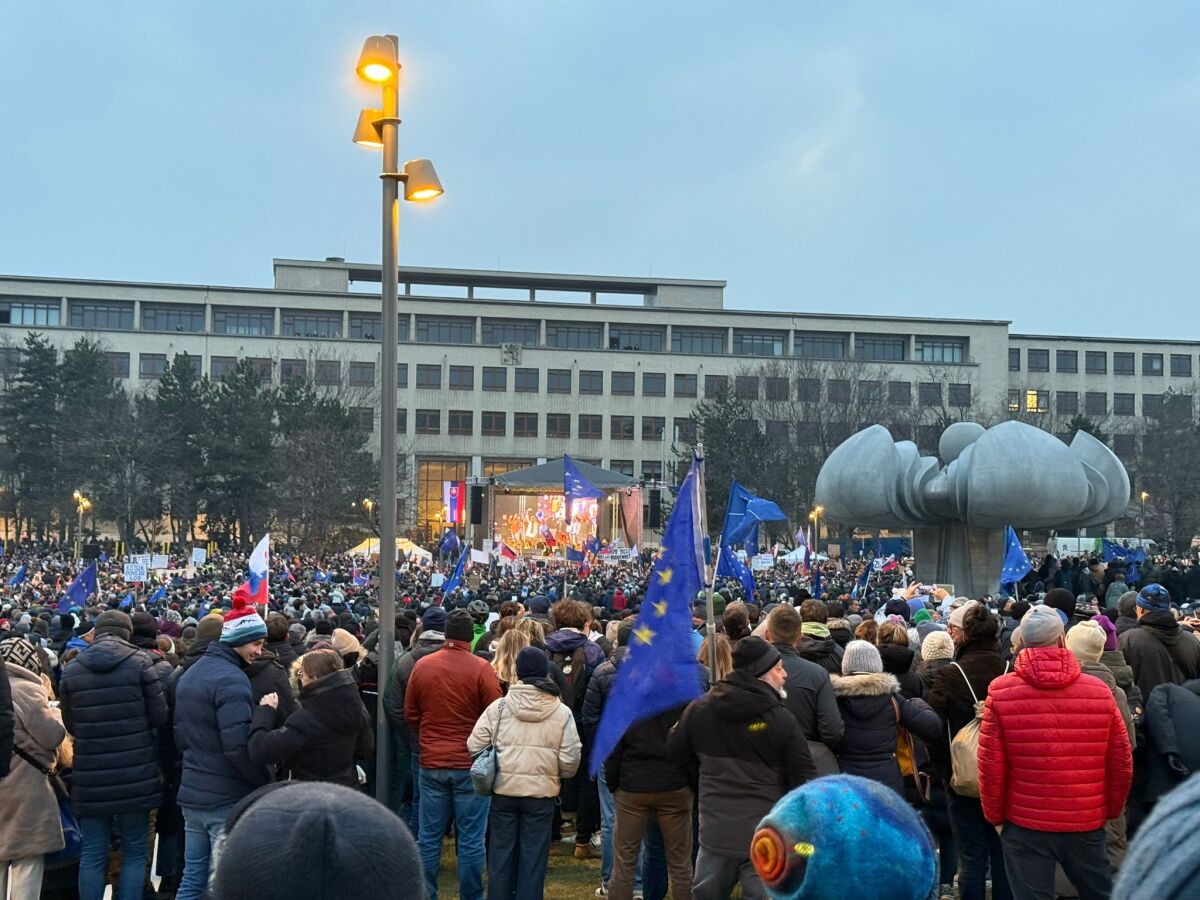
<point x="1054" y="764"/>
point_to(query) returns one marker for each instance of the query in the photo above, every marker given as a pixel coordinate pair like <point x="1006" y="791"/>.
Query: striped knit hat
<point x="242" y="624"/>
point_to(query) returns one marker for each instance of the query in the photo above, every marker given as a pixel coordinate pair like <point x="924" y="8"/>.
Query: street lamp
<point x="1142" y="518"/>
<point x="816" y="518"/>
<point x="379" y="64"/>
<point x="82" y="505"/>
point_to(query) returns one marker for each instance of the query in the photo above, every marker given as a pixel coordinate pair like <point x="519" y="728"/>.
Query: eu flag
<point x="82" y="587"/>
<point x="575" y="486"/>
<point x="456" y="577"/>
<point x="18" y="576"/>
<point x="743" y="513"/>
<point x="729" y="566"/>
<point x="660" y="670"/>
<point x="1016" y="563"/>
<point x="160" y="594"/>
<point x="449" y="542"/>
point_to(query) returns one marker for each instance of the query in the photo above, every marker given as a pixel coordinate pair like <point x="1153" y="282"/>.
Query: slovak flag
<point x="507" y="552"/>
<point x="454" y="494"/>
<point x="254" y="588"/>
<point x="358" y="578"/>
<point x="890" y="564"/>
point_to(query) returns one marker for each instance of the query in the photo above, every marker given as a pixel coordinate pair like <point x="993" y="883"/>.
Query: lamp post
<point x="816" y="518"/>
<point x="1142" y="519"/>
<point x="82" y="505"/>
<point x="379" y="63"/>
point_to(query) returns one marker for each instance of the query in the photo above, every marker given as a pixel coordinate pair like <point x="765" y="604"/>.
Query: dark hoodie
<point x="825" y="652"/>
<point x="322" y="739"/>
<point x="112" y="702"/>
<point x="749" y="750"/>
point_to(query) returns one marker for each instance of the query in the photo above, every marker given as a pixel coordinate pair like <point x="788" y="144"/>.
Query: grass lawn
<point x="567" y="878"/>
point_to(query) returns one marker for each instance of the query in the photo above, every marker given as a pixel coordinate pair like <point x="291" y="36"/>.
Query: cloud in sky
<point x="1030" y="160"/>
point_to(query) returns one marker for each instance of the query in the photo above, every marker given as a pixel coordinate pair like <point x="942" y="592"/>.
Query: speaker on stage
<point x="655" y="508"/>
<point x="476" y="504"/>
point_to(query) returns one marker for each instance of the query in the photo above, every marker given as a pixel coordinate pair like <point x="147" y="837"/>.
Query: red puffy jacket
<point x="447" y="693"/>
<point x="1053" y="751"/>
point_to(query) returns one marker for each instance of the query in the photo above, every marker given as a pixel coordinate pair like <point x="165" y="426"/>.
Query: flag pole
<point x="710" y="627"/>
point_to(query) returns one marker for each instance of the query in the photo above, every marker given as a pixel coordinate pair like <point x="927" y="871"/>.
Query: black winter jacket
<point x="898" y="661"/>
<point x="749" y="750"/>
<point x="322" y="739"/>
<point x="640" y="764"/>
<point x="1173" y="726"/>
<point x="1191" y="583"/>
<point x="212" y="726"/>
<point x="868" y="704"/>
<point x="810" y="698"/>
<point x="599" y="685"/>
<point x="1160" y="651"/>
<point x="112" y="704"/>
<point x="267" y="676"/>
<point x="951" y="698"/>
<point x="825" y="652"/>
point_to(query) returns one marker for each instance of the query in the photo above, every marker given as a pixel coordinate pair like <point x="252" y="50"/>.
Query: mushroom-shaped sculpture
<point x="958" y="506"/>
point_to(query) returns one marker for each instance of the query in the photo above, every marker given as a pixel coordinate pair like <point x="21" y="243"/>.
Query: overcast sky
<point x="1034" y="161"/>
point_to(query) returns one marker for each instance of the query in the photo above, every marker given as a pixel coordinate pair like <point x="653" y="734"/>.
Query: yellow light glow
<point x="420" y="181"/>
<point x="377" y="62"/>
<point x="376" y="72"/>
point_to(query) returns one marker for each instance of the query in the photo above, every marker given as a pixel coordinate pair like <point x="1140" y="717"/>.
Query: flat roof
<point x="1091" y="339"/>
<point x="498" y="278"/>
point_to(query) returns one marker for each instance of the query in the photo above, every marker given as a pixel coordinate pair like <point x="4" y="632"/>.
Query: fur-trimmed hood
<point x="869" y="685"/>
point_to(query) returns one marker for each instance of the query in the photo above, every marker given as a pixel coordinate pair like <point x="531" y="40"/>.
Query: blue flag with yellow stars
<point x="660" y="670"/>
<point x="1016" y="564"/>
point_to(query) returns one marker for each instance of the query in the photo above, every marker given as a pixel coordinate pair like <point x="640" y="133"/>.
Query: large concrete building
<point x="500" y="370"/>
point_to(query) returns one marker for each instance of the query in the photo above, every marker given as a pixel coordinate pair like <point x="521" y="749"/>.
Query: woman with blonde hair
<point x="724" y="660"/>
<point x="504" y="663"/>
<point x="323" y="739"/>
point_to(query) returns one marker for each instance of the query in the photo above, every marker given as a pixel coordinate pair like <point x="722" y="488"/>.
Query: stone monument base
<point x="955" y="553"/>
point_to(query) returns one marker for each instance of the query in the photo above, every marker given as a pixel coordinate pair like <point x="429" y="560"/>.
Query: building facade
<point x="499" y="370"/>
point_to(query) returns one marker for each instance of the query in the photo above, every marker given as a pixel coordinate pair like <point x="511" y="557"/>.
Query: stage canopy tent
<point x="548" y="478"/>
<point x="370" y="547"/>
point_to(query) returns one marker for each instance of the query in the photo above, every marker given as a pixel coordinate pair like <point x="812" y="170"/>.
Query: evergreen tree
<point x="1080" y="422"/>
<point x="31" y="431"/>
<point x="735" y="449"/>
<point x="93" y="408"/>
<point x="323" y="467"/>
<point x="239" y="447"/>
<point x="177" y="419"/>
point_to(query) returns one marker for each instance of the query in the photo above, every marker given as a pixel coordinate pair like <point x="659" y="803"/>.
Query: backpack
<point x="574" y="669"/>
<point x="964" y="746"/>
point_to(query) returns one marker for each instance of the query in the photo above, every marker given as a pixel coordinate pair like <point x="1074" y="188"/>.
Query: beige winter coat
<point x="537" y="745"/>
<point x="29" y="825"/>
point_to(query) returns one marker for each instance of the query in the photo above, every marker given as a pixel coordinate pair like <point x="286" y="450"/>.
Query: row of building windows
<point x="1096" y="362"/>
<point x="496" y="423"/>
<point x="252" y="322"/>
<point x="558" y="381"/>
<point x="1095" y="403"/>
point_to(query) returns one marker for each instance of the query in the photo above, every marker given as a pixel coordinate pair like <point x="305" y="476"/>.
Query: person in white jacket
<point x="537" y="745"/>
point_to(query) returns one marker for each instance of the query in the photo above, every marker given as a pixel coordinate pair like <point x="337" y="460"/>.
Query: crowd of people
<point x="173" y="740"/>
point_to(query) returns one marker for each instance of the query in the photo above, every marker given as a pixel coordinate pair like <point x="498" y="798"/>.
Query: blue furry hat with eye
<point x="844" y="836"/>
